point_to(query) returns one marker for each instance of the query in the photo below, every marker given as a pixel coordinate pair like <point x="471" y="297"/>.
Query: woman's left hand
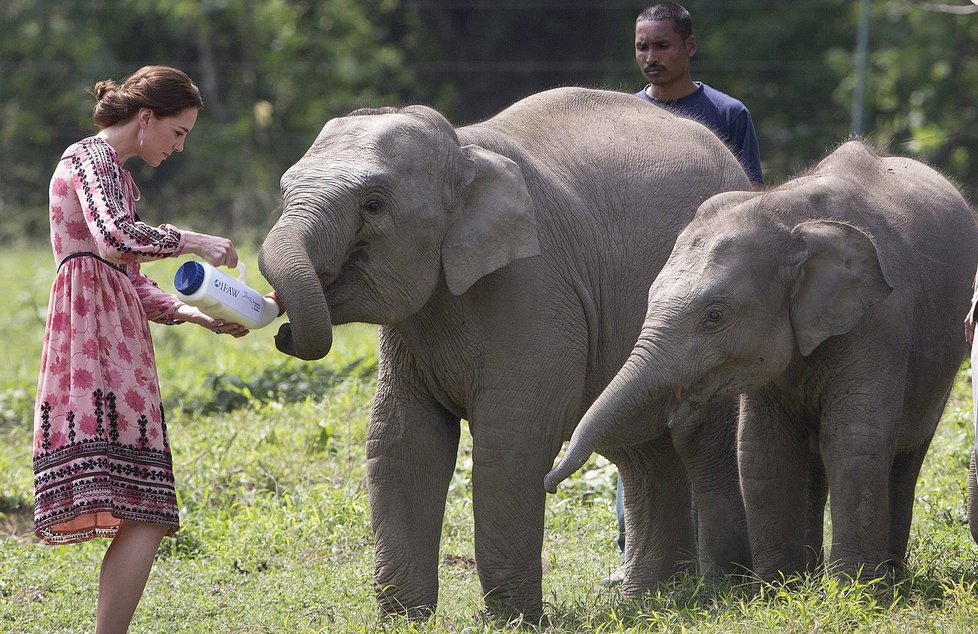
<point x="219" y="326"/>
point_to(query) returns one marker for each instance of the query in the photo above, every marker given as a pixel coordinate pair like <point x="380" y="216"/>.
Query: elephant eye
<point x="713" y="318"/>
<point x="373" y="204"/>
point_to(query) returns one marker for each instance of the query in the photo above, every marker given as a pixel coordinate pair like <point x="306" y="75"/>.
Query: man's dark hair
<point x="677" y="14"/>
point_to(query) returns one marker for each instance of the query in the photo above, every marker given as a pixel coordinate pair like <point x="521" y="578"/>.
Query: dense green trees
<point x="273" y="71"/>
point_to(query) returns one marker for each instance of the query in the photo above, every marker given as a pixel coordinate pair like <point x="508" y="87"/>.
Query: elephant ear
<point x="840" y="277"/>
<point x="493" y="222"/>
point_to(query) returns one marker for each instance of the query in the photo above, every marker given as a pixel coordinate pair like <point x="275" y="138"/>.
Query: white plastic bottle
<point x="224" y="297"/>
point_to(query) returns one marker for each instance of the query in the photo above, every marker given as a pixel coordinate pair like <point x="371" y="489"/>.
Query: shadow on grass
<point x="798" y="603"/>
<point x="281" y="383"/>
<point x="686" y="602"/>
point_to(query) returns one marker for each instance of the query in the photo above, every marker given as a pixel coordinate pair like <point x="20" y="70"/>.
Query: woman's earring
<point x="140" y="138"/>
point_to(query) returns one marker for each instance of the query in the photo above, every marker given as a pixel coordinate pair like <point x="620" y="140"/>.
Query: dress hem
<point x="53" y="538"/>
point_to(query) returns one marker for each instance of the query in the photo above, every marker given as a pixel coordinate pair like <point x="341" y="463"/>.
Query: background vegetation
<point x="268" y="450"/>
<point x="273" y="71"/>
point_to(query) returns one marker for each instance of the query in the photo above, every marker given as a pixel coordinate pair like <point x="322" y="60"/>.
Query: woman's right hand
<point x="216" y="250"/>
<point x="192" y="314"/>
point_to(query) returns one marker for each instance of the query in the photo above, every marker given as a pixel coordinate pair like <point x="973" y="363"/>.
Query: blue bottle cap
<point x="189" y="277"/>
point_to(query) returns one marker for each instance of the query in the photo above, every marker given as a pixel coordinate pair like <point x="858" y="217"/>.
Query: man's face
<point x="661" y="53"/>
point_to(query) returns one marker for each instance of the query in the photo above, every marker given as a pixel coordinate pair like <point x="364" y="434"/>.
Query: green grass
<point x="269" y="459"/>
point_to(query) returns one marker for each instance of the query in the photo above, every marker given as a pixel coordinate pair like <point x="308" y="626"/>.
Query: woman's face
<point x="162" y="136"/>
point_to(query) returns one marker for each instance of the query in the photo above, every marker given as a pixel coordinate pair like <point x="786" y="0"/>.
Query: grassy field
<point x="269" y="459"/>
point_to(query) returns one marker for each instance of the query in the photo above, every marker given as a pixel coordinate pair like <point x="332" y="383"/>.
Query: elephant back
<point x="608" y="166"/>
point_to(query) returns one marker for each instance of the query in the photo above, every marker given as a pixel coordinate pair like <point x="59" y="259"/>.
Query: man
<point x="664" y="44"/>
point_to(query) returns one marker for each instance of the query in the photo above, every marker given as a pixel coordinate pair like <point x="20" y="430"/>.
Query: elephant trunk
<point x="285" y="263"/>
<point x="625" y="413"/>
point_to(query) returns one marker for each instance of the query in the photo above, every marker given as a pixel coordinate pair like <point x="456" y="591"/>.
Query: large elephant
<point x="833" y="304"/>
<point x="507" y="262"/>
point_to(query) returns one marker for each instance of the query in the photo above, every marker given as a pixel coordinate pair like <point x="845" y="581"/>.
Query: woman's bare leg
<point x="125" y="568"/>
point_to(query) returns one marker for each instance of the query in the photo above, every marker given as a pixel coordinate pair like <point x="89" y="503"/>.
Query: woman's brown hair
<point x="163" y="89"/>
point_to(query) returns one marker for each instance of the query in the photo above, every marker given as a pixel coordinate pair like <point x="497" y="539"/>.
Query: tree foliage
<point x="927" y="94"/>
<point x="271" y="72"/>
<point x="274" y="71"/>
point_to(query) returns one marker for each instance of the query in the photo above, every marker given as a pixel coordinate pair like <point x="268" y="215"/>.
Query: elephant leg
<point x="857" y="465"/>
<point x="708" y="448"/>
<point x="903" y="481"/>
<point x="818" y="493"/>
<point x="659" y="537"/>
<point x="773" y="454"/>
<point x="508" y="502"/>
<point x="412" y="444"/>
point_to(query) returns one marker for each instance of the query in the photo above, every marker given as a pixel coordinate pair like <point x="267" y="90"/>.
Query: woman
<point x="102" y="465"/>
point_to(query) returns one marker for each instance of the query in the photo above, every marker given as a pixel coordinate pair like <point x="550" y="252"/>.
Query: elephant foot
<point x="394" y="603"/>
<point x="516" y="621"/>
<point x="514" y="608"/>
<point x="417" y="614"/>
<point x="886" y="571"/>
<point x="732" y="572"/>
<point x="732" y="559"/>
<point x="814" y="560"/>
<point x="641" y="580"/>
<point x="615" y="579"/>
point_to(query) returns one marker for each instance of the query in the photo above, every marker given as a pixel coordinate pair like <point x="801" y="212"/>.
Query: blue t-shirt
<point x="727" y="117"/>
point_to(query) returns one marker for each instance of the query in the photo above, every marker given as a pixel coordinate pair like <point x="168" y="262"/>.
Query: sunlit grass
<point x="269" y="459"/>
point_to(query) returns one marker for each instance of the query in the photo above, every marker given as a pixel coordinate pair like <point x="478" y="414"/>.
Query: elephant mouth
<point x="353" y="262"/>
<point x="684" y="401"/>
<point x="677" y="407"/>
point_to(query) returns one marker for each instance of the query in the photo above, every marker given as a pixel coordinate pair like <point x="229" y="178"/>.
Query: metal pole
<point x="862" y="45"/>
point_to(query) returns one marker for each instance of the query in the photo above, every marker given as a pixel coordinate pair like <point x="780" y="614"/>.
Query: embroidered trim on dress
<point x="100" y="474"/>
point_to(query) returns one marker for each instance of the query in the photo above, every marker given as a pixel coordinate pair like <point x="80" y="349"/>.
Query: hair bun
<point x="165" y="90"/>
<point x="104" y="87"/>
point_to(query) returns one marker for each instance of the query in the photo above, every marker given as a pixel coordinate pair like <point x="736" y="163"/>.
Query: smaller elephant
<point x="832" y="304"/>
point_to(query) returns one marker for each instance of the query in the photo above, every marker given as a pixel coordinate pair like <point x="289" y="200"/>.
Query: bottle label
<point x="222" y="296"/>
<point x="244" y="301"/>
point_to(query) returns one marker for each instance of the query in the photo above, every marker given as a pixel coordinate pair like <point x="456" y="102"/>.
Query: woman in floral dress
<point x="102" y="465"/>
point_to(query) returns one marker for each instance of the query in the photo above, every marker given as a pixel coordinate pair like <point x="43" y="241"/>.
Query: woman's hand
<point x="215" y="250"/>
<point x="281" y="307"/>
<point x="189" y="313"/>
<point x="969" y="329"/>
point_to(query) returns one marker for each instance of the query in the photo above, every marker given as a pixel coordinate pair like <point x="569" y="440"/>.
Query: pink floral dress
<point x="101" y="453"/>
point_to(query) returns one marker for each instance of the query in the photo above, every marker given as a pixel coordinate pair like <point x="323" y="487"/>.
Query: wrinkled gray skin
<point x="833" y="303"/>
<point x="508" y="262"/>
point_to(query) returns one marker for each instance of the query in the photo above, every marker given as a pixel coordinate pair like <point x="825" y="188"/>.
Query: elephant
<point x="832" y="305"/>
<point x="505" y="262"/>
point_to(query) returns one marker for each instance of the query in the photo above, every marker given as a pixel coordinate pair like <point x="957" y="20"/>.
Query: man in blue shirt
<point x="664" y="43"/>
